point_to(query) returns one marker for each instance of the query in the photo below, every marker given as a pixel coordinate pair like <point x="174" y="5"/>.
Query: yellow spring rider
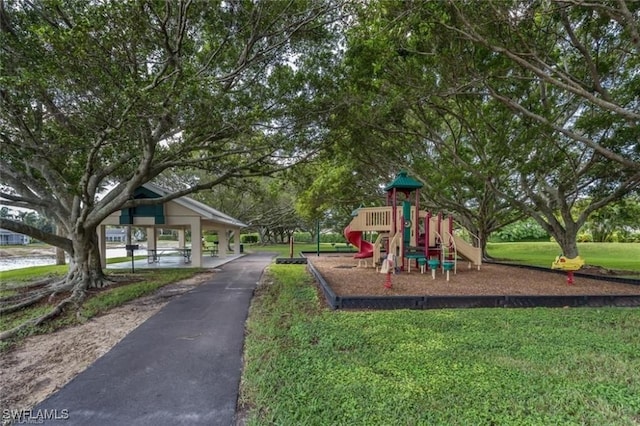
<point x="570" y="265"/>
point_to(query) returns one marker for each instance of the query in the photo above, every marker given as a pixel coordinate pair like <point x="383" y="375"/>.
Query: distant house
<point x="116" y="235"/>
<point x="12" y="238"/>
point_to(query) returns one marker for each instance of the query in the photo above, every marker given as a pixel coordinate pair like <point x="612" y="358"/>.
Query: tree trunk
<point x="313" y="234"/>
<point x="60" y="254"/>
<point x="568" y="244"/>
<point x="566" y="236"/>
<point x="60" y="257"/>
<point x="85" y="270"/>
<point x="263" y="235"/>
<point x="483" y="235"/>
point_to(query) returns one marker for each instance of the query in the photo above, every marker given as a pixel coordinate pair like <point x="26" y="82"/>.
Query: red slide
<point x="365" y="248"/>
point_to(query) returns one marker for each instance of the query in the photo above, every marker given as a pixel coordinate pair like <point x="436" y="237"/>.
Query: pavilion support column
<point x="102" y="244"/>
<point x="196" y="242"/>
<point x="151" y="238"/>
<point x="236" y="241"/>
<point x="181" y="240"/>
<point x="223" y="242"/>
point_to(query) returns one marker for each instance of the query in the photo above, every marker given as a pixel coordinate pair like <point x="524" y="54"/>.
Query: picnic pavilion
<point x="180" y="214"/>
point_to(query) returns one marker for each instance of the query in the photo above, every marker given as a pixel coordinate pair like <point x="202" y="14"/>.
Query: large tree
<point x="536" y="102"/>
<point x="395" y="116"/>
<point x="589" y="52"/>
<point x="114" y="94"/>
<point x="568" y="72"/>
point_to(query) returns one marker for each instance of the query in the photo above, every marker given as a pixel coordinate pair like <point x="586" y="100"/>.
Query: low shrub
<point x="332" y="238"/>
<point x="249" y="238"/>
<point x="524" y="230"/>
<point x="302" y="237"/>
<point x="585" y="237"/>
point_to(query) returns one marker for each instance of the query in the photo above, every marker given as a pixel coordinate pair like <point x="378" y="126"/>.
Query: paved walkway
<point x="180" y="367"/>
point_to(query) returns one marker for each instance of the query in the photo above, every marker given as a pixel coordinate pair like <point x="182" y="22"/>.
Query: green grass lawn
<point x="308" y="365"/>
<point x="31" y="273"/>
<point x="625" y="256"/>
<point x="35" y="272"/>
<point x="143" y="283"/>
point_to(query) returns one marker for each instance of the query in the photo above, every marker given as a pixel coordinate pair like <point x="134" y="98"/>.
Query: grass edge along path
<point x="305" y="364"/>
<point x="97" y="302"/>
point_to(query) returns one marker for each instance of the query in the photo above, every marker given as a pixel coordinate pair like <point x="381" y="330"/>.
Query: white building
<point x="116" y="235"/>
<point x="12" y="238"/>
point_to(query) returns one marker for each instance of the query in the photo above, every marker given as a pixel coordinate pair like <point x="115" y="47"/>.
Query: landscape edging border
<point x="474" y="301"/>
<point x="613" y="279"/>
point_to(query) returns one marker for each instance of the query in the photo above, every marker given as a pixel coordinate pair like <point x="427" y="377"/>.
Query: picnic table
<point x="212" y="249"/>
<point x="153" y="255"/>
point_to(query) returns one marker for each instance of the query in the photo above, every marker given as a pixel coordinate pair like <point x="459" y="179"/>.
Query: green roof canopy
<point x="402" y="181"/>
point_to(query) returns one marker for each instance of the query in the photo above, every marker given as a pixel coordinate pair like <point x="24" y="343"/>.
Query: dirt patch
<point x="347" y="279"/>
<point x="40" y="365"/>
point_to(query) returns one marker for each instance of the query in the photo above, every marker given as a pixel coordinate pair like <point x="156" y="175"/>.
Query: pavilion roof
<point x="203" y="210"/>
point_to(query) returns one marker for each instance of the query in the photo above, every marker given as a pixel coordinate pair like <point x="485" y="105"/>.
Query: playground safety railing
<point x="377" y="246"/>
<point x="372" y="219"/>
<point x="394" y="244"/>
<point x="449" y="252"/>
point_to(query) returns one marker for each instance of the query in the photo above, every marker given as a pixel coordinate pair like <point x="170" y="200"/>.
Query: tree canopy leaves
<point x="532" y="106"/>
<point x="118" y="93"/>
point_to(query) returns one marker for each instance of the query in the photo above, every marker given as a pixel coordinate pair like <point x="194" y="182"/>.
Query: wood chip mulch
<point x="347" y="279"/>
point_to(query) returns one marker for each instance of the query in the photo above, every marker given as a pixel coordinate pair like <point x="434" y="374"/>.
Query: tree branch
<point x="473" y="35"/>
<point x="588" y="142"/>
<point x="593" y="71"/>
<point x="22" y="228"/>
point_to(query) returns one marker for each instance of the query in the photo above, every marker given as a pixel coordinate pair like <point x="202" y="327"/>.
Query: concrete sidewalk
<point x="181" y="366"/>
<point x="208" y="262"/>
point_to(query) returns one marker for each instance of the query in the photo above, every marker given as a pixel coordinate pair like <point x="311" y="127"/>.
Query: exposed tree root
<point x="73" y="283"/>
<point x="33" y="284"/>
<point x="16" y="302"/>
<point x="24" y="303"/>
<point x="75" y="298"/>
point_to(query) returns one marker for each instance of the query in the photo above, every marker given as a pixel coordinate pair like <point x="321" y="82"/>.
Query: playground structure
<point x="408" y="233"/>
